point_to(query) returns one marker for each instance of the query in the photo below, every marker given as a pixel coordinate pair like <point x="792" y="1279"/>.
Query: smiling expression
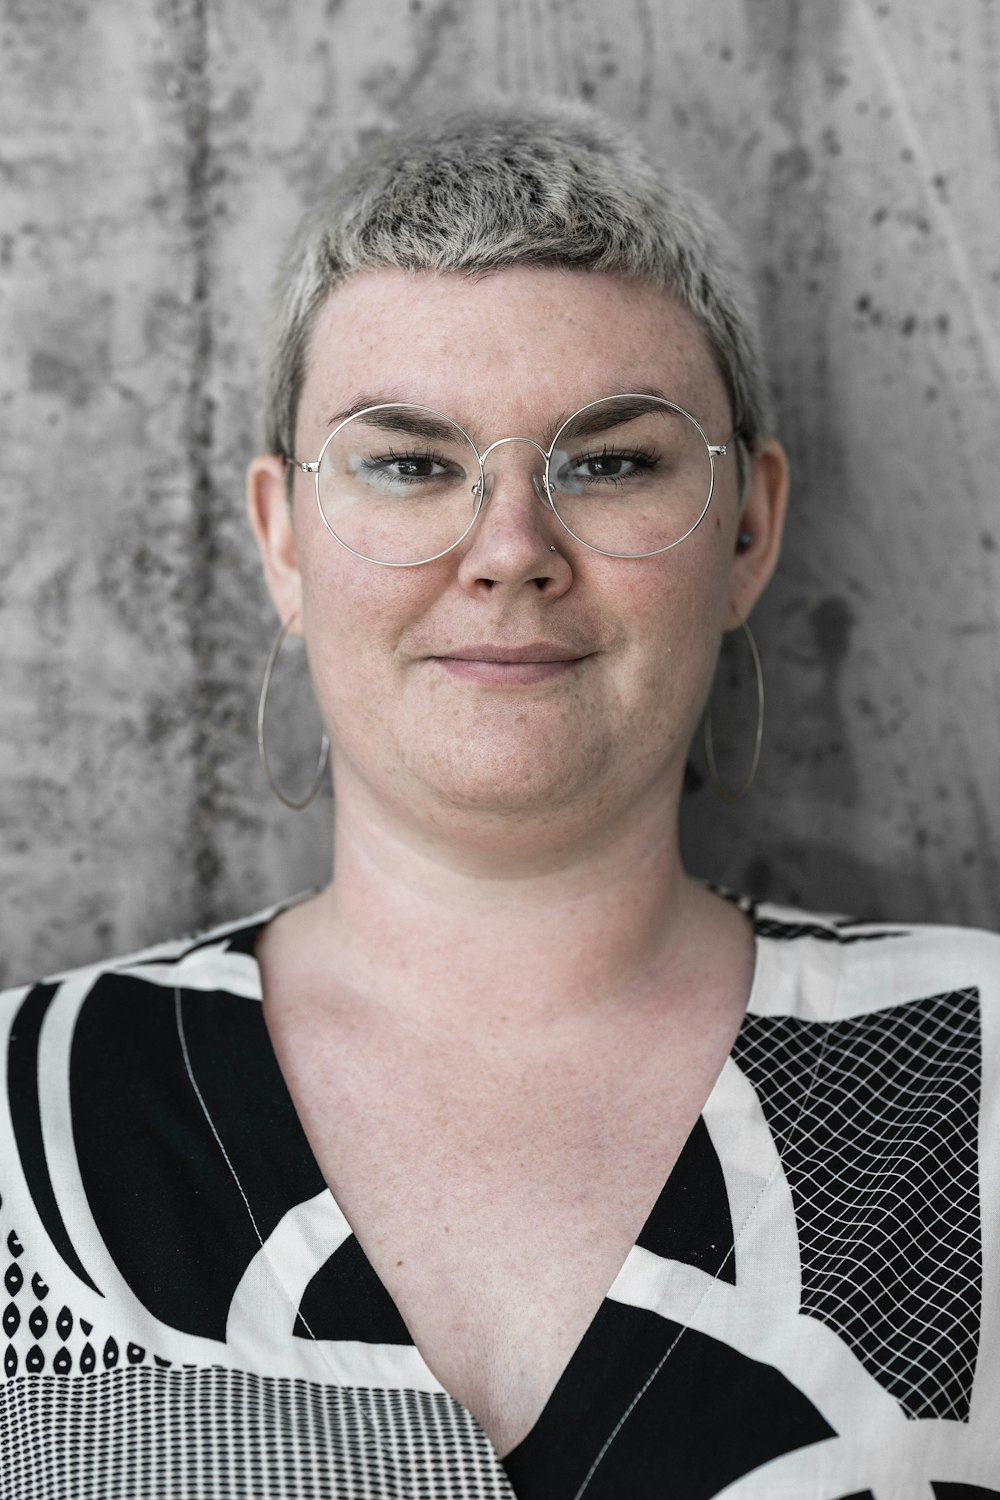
<point x="521" y="673"/>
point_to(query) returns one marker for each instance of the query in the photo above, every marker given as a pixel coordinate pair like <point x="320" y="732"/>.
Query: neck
<point x="455" y="930"/>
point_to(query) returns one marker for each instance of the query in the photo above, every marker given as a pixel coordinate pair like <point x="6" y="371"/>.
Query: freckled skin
<point x="482" y="351"/>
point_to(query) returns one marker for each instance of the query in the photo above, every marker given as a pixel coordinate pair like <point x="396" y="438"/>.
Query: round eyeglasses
<point x="403" y="484"/>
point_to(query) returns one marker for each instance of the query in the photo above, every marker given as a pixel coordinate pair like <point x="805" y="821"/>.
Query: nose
<point x="517" y="538"/>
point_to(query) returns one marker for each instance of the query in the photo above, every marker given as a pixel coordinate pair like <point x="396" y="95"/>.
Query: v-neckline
<point x="762" y="954"/>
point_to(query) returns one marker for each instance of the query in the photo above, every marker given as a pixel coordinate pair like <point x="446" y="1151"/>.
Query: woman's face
<point x="421" y="713"/>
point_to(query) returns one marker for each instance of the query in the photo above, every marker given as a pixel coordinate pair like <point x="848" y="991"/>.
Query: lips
<point x="491" y="665"/>
<point x="535" y="651"/>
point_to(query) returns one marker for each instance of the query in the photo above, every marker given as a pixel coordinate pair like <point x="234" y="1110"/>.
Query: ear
<point x="270" y="515"/>
<point x="762" y="520"/>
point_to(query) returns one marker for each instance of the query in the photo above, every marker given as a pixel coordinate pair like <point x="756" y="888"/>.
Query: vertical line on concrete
<point x="204" y="549"/>
<point x="937" y="210"/>
<point x="647" y="29"/>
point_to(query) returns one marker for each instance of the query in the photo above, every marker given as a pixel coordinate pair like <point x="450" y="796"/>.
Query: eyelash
<point x="380" y="463"/>
<point x="642" y="458"/>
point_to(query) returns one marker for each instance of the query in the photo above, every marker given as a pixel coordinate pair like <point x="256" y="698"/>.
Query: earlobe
<point x="758" y="534"/>
<point x="271" y="522"/>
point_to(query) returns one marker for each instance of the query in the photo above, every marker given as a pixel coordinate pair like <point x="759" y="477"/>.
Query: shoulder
<point x="789" y="924"/>
<point x="109" y="1039"/>
<point x="218" y="957"/>
<point x="875" y="965"/>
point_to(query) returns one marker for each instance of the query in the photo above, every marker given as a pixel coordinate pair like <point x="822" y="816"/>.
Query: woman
<point x="541" y="1169"/>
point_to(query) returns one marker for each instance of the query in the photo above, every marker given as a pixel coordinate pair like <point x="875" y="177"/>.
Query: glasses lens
<point x="630" y="475"/>
<point x="398" y="484"/>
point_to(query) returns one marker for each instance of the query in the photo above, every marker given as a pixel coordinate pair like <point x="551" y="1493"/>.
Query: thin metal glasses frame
<point x="484" y="489"/>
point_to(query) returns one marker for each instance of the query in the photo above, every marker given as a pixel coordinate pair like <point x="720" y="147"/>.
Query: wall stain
<point x="784" y="37"/>
<point x="399" y="89"/>
<point x="52" y="604"/>
<point x="832" y="620"/>
<point x="191" y="20"/>
<point x="72" y="359"/>
<point x="821" y="729"/>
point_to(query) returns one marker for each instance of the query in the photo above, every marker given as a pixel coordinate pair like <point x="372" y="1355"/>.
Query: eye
<point x="611" y="466"/>
<point x="410" y="466"/>
<point x="390" y="469"/>
<point x="605" y="466"/>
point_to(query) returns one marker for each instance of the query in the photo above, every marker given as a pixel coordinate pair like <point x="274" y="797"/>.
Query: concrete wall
<point x="152" y="161"/>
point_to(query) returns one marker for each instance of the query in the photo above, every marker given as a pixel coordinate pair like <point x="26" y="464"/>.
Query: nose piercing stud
<point x="552" y="546"/>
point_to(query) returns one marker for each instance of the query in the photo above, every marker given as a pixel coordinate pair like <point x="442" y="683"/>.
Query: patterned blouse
<point x="811" y="1312"/>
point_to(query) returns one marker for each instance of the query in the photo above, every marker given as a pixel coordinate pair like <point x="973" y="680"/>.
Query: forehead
<point x="516" y="347"/>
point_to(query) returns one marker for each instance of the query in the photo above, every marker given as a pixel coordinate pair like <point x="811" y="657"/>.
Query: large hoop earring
<point x="324" y="752"/>
<point x="727" y="793"/>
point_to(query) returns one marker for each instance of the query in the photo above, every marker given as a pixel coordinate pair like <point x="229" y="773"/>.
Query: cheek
<point x="678" y="610"/>
<point x="337" y="616"/>
<point x="342" y="596"/>
<point x="354" y="616"/>
<point x="679" y="599"/>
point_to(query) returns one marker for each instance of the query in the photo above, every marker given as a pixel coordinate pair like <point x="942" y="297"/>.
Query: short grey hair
<point x="513" y="184"/>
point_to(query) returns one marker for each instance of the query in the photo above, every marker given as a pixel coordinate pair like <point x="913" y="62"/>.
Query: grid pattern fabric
<point x="882" y="1164"/>
<point x="205" y="1434"/>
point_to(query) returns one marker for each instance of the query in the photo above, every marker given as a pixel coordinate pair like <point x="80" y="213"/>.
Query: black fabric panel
<point x="773" y="927"/>
<point x="346" y="1300"/>
<point x="859" y="1495"/>
<point x="240" y="1081"/>
<point x="691" y="1221"/>
<point x="162" y="1196"/>
<point x="709" y="1416"/>
<point x="245" y="940"/>
<point x="22" y="1089"/>
<point x="964" y="1491"/>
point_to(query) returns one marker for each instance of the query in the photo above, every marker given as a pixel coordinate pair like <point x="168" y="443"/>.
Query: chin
<point x="508" y="782"/>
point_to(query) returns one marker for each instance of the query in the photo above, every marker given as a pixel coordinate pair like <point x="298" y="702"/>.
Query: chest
<point x="497" y="1205"/>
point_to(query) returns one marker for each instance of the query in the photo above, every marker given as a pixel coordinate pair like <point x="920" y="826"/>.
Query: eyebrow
<point x="410" y="418"/>
<point x="624" y="409"/>
<point x="403" y="417"/>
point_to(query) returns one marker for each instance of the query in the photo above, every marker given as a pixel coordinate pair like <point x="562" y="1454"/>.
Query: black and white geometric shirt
<point x="811" y="1312"/>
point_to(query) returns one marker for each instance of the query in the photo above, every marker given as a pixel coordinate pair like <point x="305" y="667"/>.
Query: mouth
<point x="535" y="651"/>
<point x="512" y="666"/>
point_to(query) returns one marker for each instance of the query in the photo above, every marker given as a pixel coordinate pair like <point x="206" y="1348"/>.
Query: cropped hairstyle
<point x="513" y="184"/>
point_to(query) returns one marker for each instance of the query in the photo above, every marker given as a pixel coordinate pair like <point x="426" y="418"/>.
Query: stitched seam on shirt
<point x="745" y="1226"/>
<point x="205" y="1111"/>
<point x="235" y="1175"/>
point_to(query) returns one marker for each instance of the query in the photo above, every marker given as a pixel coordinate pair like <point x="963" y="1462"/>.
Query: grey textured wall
<point x="152" y="160"/>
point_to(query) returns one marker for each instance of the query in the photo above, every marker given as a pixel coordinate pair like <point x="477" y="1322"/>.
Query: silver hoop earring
<point x="726" y="793"/>
<point x="324" y="752"/>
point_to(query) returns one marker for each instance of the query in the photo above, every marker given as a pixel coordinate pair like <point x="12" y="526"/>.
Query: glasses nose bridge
<point x="537" y="479"/>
